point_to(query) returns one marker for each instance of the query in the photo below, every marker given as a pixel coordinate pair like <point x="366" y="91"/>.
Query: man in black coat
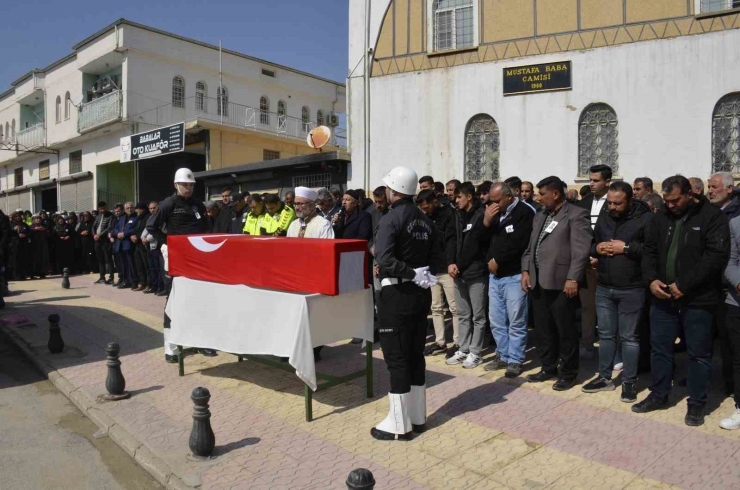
<point x="353" y="223"/>
<point x="466" y="242"/>
<point x="686" y="250"/>
<point x="442" y="216"/>
<point x="219" y="217"/>
<point x="620" y="294"/>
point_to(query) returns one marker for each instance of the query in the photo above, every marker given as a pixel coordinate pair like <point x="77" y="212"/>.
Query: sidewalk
<point x="485" y="432"/>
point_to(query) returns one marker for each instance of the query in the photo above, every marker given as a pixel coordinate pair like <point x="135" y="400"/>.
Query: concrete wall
<point x="663" y="92"/>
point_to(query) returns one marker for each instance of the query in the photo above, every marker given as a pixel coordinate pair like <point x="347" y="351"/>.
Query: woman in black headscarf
<point x="39" y="249"/>
<point x="73" y="225"/>
<point x="64" y="245"/>
<point x="20" y="247"/>
<point x="88" y="262"/>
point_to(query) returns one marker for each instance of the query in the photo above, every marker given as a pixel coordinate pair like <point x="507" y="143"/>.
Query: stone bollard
<point x="65" y="278"/>
<point x="115" y="383"/>
<point x="56" y="344"/>
<point x="202" y="439"/>
<point x="360" y="479"/>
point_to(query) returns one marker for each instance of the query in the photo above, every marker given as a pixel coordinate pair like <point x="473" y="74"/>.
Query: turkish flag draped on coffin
<point x="304" y="265"/>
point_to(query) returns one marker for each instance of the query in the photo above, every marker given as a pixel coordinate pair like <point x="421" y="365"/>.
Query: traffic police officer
<point x="180" y="214"/>
<point x="405" y="245"/>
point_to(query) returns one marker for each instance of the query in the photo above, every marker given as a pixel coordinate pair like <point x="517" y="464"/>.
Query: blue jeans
<point x="666" y="318"/>
<point x="507" y="312"/>
<point x="619" y="312"/>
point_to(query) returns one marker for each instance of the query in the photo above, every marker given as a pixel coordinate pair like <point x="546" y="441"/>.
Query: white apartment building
<point x="61" y="126"/>
<point x="467" y="89"/>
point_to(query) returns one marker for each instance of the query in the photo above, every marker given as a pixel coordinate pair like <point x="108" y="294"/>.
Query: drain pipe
<point x="366" y="81"/>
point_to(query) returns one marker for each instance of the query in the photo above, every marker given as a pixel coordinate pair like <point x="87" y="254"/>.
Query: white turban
<point x="306" y="193"/>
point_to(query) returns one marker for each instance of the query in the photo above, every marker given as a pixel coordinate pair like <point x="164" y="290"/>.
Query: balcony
<point x="32" y="137"/>
<point x="233" y="115"/>
<point x="101" y="111"/>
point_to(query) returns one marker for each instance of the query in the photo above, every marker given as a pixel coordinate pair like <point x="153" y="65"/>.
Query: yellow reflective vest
<point x="257" y="224"/>
<point x="281" y="221"/>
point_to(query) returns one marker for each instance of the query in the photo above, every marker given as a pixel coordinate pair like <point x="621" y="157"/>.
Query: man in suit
<point x="599" y="177"/>
<point x="553" y="266"/>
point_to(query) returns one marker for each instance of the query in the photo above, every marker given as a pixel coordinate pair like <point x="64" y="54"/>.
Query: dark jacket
<point x="732" y="209"/>
<point x="537" y="206"/>
<point x="586" y="204"/>
<point x="622" y="271"/>
<point x="510" y="238"/>
<point x="222" y="222"/>
<point x="466" y="242"/>
<point x="375" y="218"/>
<point x="703" y="251"/>
<point x="357" y="226"/>
<point x="442" y="218"/>
<point x="107" y="218"/>
<point x="177" y="216"/>
<point x="406" y="240"/>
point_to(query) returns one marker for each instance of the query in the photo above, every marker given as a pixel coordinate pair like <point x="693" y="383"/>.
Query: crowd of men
<point x="648" y="274"/>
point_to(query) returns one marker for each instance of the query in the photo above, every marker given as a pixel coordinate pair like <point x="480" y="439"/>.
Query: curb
<point x="153" y="464"/>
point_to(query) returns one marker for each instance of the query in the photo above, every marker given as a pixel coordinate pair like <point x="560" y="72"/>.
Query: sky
<point x="307" y="35"/>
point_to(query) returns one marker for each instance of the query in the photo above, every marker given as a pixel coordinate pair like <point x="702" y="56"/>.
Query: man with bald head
<point x="697" y="186"/>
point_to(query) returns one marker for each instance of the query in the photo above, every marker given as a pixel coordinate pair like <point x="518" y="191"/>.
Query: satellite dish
<point x="318" y="137"/>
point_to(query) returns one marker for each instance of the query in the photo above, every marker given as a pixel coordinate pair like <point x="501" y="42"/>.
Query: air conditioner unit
<point x="332" y="120"/>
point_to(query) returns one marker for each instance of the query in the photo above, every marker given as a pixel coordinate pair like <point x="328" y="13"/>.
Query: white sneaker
<point x="733" y="422"/>
<point x="586" y="354"/>
<point x="619" y="366"/>
<point x="457" y="358"/>
<point x="472" y="361"/>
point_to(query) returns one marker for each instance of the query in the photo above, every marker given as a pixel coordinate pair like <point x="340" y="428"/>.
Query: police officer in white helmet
<point x="405" y="246"/>
<point x="180" y="214"/>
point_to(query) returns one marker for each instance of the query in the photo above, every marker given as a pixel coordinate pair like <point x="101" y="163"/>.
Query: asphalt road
<point x="47" y="443"/>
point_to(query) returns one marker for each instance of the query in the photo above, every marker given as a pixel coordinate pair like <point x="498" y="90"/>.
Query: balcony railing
<point x="228" y="114"/>
<point x="32" y="137"/>
<point x="718" y="5"/>
<point x="98" y="112"/>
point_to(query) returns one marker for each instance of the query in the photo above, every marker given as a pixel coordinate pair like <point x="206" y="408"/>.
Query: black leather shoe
<point x="563" y="384"/>
<point x="171" y="359"/>
<point x="540" y="377"/>
<point x="149" y="291"/>
<point x="100" y="281"/>
<point x="208" y="352"/>
<point x="382" y="435"/>
<point x="160" y="293"/>
<point x="418" y="429"/>
<point x="109" y="282"/>
<point x="649" y="404"/>
<point x="629" y="393"/>
<point x="694" y="416"/>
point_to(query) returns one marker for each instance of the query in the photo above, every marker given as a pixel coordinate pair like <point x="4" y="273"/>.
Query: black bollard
<point x="360" y="479"/>
<point x="115" y="383"/>
<point x="56" y="344"/>
<point x="202" y="439"/>
<point x="65" y="278"/>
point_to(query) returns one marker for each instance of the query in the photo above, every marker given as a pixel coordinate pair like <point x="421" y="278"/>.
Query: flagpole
<point x="220" y="84"/>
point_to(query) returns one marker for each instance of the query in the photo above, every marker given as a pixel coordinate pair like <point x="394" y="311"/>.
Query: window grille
<point x="454" y="24"/>
<point x="178" y="92"/>
<point x="200" y="97"/>
<point x="482" y="149"/>
<point x="75" y="162"/>
<point x="264" y="111"/>
<point x="270" y="155"/>
<point x="313" y="180"/>
<point x="598" y="139"/>
<point x="18" y="177"/>
<point x="726" y="134"/>
<point x="44" y="170"/>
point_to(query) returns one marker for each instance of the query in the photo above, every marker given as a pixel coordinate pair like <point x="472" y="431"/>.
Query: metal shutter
<point x="13" y="202"/>
<point x="68" y="191"/>
<point x="85" y="195"/>
<point x="24" y="199"/>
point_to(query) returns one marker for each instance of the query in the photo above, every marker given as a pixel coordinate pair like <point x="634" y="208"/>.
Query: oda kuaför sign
<point x="547" y="77"/>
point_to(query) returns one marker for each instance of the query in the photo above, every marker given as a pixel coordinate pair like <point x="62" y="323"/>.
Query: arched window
<point x="726" y="134"/>
<point x="200" y="97"/>
<point x="1" y="132"/>
<point x="67" y="105"/>
<point x="178" y="92"/>
<point x="12" y="129"/>
<point x="454" y="24"/>
<point x="598" y="138"/>
<point x="305" y="119"/>
<point x="281" y="108"/>
<point x="264" y="111"/>
<point x="319" y="118"/>
<point x="7" y="131"/>
<point x="222" y="99"/>
<point x="482" y="149"/>
<point x="58" y="110"/>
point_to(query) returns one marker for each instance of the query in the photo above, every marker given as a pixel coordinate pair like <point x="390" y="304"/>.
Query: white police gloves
<point x="423" y="278"/>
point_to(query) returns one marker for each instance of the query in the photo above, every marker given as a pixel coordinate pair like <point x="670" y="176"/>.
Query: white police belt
<point x="392" y="281"/>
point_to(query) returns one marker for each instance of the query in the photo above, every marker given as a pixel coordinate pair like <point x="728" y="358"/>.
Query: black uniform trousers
<point x="402" y="315"/>
<point x="105" y="258"/>
<point x="141" y="262"/>
<point x="556" y="332"/>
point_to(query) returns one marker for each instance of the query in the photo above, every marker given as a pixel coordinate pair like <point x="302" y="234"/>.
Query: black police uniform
<point x="178" y="216"/>
<point x="406" y="240"/>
